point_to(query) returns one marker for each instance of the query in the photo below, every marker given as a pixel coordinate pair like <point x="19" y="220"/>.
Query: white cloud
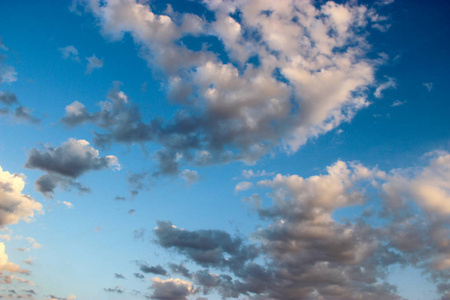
<point x="15" y="206"/>
<point x="312" y="74"/>
<point x="243" y="186"/>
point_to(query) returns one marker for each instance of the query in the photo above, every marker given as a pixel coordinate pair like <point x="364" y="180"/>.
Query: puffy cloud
<point x="205" y="247"/>
<point x="172" y="288"/>
<point x="304" y="252"/>
<point x="14" y="205"/>
<point x="69" y="52"/>
<point x="312" y="74"/>
<point x="65" y="163"/>
<point x="93" y="63"/>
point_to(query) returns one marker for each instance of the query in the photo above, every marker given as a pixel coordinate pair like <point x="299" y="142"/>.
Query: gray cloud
<point x="118" y="276"/>
<point x="69" y="52"/>
<point x="116" y="289"/>
<point x="172" y="289"/>
<point x="206" y="247"/>
<point x="158" y="269"/>
<point x="8" y="99"/>
<point x="65" y="163"/>
<point x="93" y="63"/>
<point x="180" y="269"/>
<point x="304" y="253"/>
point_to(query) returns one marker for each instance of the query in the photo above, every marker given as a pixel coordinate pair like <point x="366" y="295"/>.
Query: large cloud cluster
<point x="305" y="253"/>
<point x="269" y="74"/>
<point x="64" y="164"/>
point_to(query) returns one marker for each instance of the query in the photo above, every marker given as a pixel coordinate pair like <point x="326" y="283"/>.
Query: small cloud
<point x="250" y="174"/>
<point x="139" y="276"/>
<point x="243" y="186"/>
<point x="69" y="52"/>
<point x="120" y="198"/>
<point x="397" y="103"/>
<point x="118" y="276"/>
<point x="190" y="176"/>
<point x="428" y="86"/>
<point x="390" y="83"/>
<point x="29" y="260"/>
<point x="132" y="212"/>
<point x="97" y="229"/>
<point x="5" y="237"/>
<point x="68" y="204"/>
<point x="116" y="289"/>
<point x="93" y="63"/>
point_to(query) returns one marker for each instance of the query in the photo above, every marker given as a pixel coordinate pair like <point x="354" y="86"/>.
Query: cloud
<point x="243" y="186"/>
<point x="205" y="247"/>
<point x="158" y="270"/>
<point x="8" y="99"/>
<point x="118" y="276"/>
<point x="24" y="113"/>
<point x="93" y="63"/>
<point x="173" y="288"/>
<point x="397" y="103"/>
<point x="304" y="252"/>
<point x="190" y="176"/>
<point x="312" y="75"/>
<point x="69" y="52"/>
<point x="5" y="265"/>
<point x="250" y="174"/>
<point x="390" y="83"/>
<point x="15" y="206"/>
<point x="116" y="289"/>
<point x="428" y="86"/>
<point x="180" y="269"/>
<point x="65" y="163"/>
<point x="139" y="276"/>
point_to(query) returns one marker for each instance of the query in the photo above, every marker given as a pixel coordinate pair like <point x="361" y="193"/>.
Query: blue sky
<point x="224" y="149"/>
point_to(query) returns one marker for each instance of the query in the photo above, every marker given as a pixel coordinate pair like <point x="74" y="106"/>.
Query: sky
<point x="224" y="149"/>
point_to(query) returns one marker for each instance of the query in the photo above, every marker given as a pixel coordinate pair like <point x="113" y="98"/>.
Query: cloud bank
<point x="267" y="76"/>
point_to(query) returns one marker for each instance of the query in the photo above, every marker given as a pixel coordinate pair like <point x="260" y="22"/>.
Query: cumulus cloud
<point x="312" y="74"/>
<point x="304" y="252"/>
<point x="15" y="206"/>
<point x="93" y="63"/>
<point x="172" y="288"/>
<point x="69" y="52"/>
<point x="65" y="163"/>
